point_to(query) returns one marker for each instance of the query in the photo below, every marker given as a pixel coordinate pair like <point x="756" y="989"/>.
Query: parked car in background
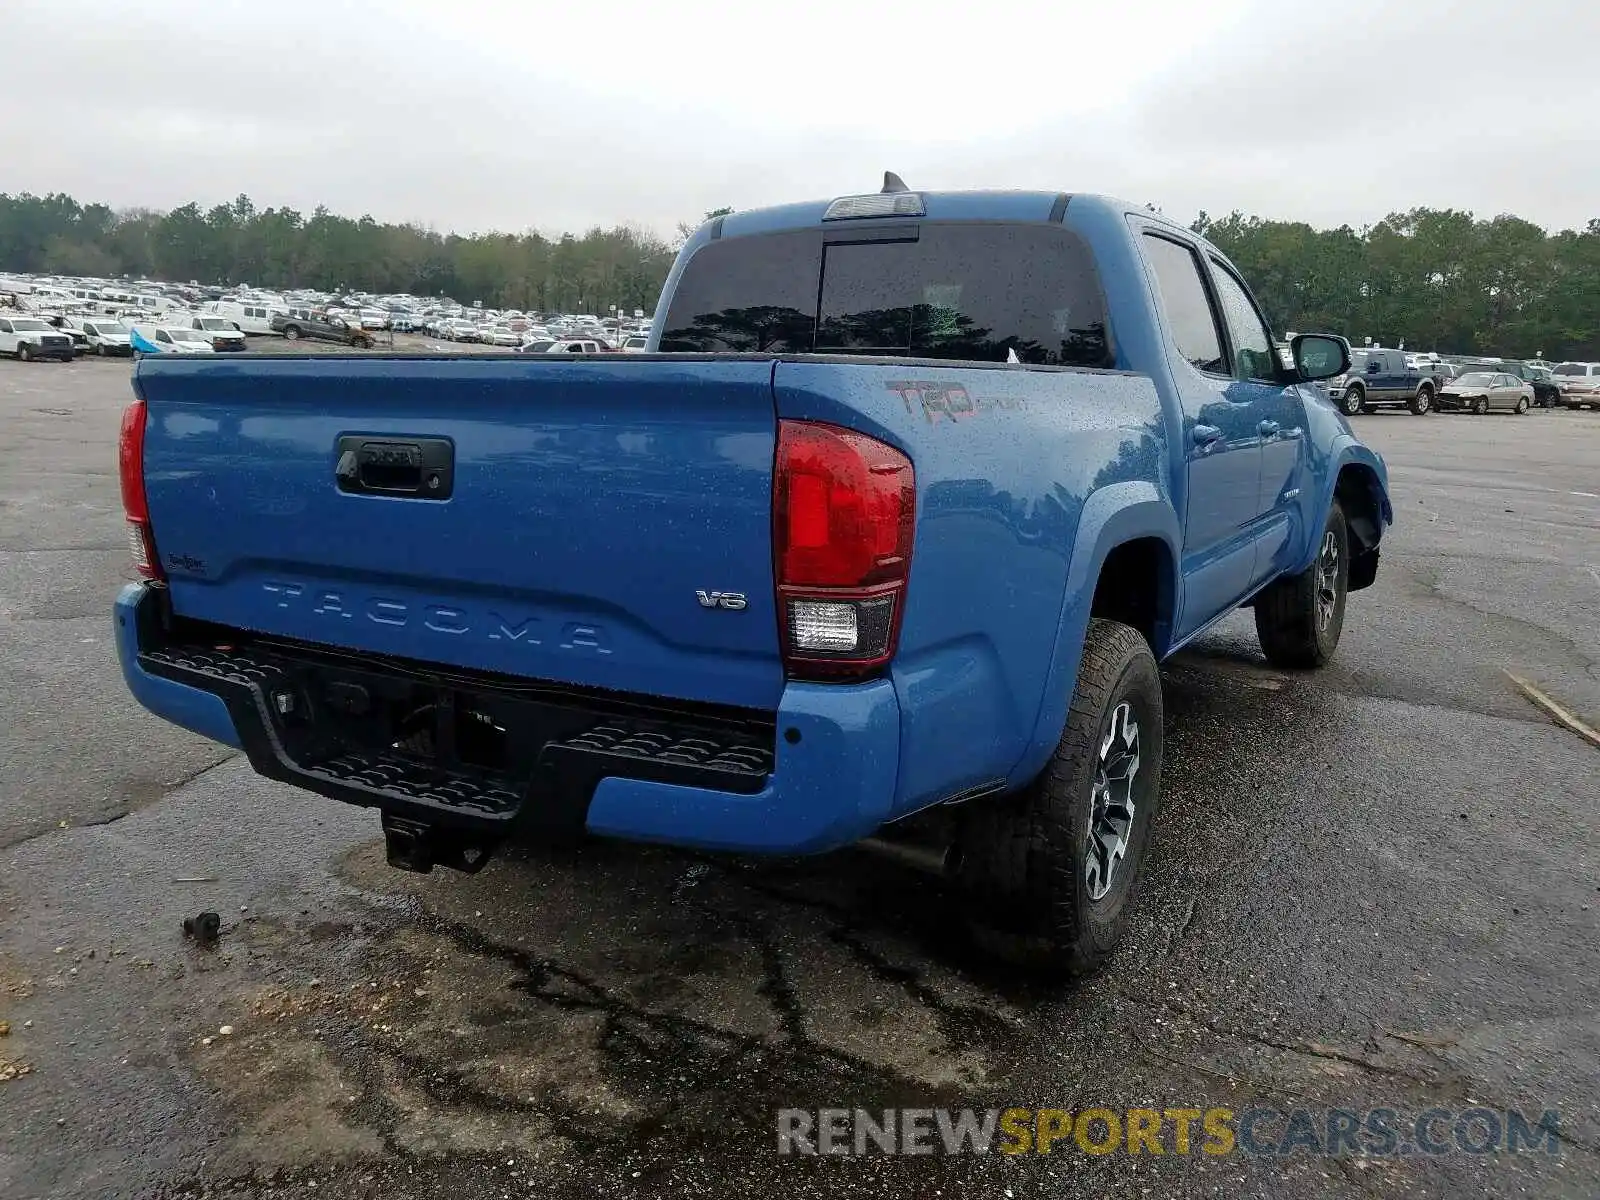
<point x="80" y="340"/>
<point x="634" y="344"/>
<point x="459" y="329"/>
<point x="1579" y="384"/>
<point x="499" y="335"/>
<point x="248" y="316"/>
<point x="29" y="338"/>
<point x="169" y="339"/>
<point x="1485" y="391"/>
<point x="578" y="346"/>
<point x="1545" y="392"/>
<point x="1438" y="370"/>
<point x="536" y="346"/>
<point x="322" y="327"/>
<point x="1382" y="379"/>
<point x="226" y="337"/>
<point x="106" y="338"/>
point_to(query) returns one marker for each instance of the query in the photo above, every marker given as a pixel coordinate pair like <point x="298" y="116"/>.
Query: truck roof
<point x="938" y="206"/>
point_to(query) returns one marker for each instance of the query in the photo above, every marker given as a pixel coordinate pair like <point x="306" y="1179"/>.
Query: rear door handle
<point x="1204" y="435"/>
<point x="421" y="468"/>
<point x="1268" y="429"/>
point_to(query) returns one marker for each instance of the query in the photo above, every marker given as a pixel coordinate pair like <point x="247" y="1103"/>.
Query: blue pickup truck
<point x="901" y="509"/>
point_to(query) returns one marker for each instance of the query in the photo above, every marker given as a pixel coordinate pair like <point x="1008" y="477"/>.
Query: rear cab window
<point x="957" y="290"/>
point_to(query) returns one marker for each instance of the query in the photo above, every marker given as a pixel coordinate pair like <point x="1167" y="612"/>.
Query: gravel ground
<point x="1372" y="887"/>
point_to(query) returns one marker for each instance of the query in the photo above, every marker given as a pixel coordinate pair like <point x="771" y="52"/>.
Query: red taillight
<point x="130" y="466"/>
<point x="844" y="507"/>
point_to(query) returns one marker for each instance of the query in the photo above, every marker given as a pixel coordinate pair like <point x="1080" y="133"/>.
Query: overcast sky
<point x="513" y="114"/>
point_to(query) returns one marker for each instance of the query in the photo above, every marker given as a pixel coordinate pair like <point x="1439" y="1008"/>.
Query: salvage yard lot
<point x="1378" y="886"/>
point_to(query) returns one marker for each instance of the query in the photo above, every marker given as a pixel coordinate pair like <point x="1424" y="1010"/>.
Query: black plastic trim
<point x="1058" y="210"/>
<point x="584" y="741"/>
<point x="834" y="235"/>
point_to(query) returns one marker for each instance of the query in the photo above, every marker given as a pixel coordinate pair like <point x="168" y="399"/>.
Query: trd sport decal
<point x="947" y="401"/>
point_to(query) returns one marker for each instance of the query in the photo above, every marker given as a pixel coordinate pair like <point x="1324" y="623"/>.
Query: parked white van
<point x="250" y="316"/>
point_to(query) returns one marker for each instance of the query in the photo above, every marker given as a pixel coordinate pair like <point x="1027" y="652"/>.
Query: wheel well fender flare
<point x="1349" y="455"/>
<point x="1112" y="516"/>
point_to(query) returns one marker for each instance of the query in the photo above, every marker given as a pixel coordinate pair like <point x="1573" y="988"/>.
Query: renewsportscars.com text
<point x="1259" y="1132"/>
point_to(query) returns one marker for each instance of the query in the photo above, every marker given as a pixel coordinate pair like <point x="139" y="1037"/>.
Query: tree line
<point x="1434" y="279"/>
<point x="238" y="243"/>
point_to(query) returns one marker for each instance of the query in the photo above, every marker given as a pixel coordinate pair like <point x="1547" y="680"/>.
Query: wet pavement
<point x="1374" y="887"/>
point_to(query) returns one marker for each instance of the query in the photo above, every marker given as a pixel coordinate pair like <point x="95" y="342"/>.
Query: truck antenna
<point x="893" y="183"/>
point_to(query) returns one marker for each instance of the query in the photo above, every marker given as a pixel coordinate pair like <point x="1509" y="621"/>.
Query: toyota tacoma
<point x="906" y="500"/>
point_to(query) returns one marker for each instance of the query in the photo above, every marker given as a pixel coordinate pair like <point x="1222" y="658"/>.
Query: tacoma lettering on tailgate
<point x="524" y="629"/>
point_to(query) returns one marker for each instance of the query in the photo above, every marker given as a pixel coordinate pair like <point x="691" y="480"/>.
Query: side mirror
<point x="1319" y="356"/>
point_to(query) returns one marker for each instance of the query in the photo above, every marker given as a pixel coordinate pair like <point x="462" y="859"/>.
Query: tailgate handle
<point x="417" y="468"/>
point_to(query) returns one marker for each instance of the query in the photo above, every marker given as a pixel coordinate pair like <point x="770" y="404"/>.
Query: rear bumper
<point x="818" y="774"/>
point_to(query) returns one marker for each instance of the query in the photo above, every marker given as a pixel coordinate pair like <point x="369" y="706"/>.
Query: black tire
<point x="100" y="349"/>
<point x="1297" y="620"/>
<point x="1353" y="401"/>
<point x="1026" y="860"/>
<point x="24" y="352"/>
<point x="1522" y="405"/>
<point x="1422" y="403"/>
<point x="291" y="333"/>
<point x="1480" y="406"/>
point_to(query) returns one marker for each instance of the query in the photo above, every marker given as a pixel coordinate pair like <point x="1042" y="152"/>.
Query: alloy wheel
<point x="1327" y="580"/>
<point x="1111" y="802"/>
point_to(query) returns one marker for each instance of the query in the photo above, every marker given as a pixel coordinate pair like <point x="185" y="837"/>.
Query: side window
<point x="1252" y="344"/>
<point x="163" y="336"/>
<point x="5" y="326"/>
<point x="1188" y="307"/>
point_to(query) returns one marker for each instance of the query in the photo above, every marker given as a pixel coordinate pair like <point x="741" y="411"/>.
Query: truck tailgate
<point x="582" y="520"/>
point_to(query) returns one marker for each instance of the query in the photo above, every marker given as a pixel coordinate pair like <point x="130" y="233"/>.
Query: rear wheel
<point x="1481" y="405"/>
<point x="1522" y="405"/>
<point x="291" y="333"/>
<point x="1353" y="401"/>
<point x="1422" y="402"/>
<point x="1054" y="869"/>
<point x="25" y="352"/>
<point x="1299" y="619"/>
